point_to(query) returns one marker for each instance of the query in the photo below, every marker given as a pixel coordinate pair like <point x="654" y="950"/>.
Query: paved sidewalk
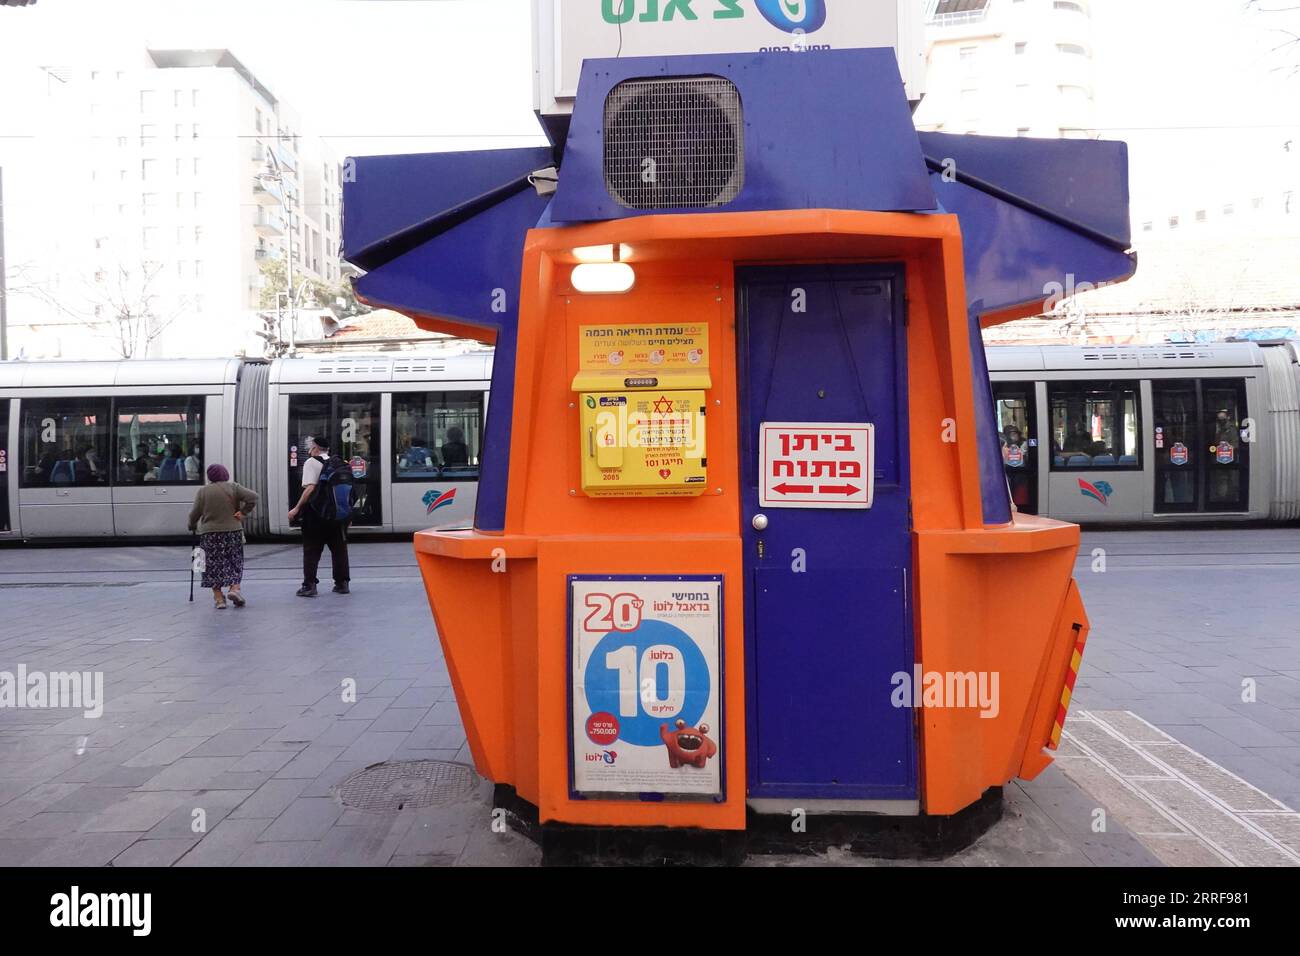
<point x="237" y="719"/>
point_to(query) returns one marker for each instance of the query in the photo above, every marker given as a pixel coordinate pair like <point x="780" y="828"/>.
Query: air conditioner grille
<point x="674" y="143"/>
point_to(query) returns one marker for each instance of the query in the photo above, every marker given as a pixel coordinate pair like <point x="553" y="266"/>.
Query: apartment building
<point x="1009" y="68"/>
<point x="146" y="201"/>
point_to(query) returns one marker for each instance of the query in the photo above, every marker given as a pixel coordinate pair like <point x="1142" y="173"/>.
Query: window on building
<point x="148" y="133"/>
<point x="180" y="235"/>
<point x="148" y="101"/>
<point x="149" y="201"/>
<point x="178" y="132"/>
<point x="1228" y="210"/>
<point x="194" y="98"/>
<point x="1257" y="202"/>
<point x="1173" y="222"/>
<point x="1094" y="425"/>
<point x="176" y="99"/>
<point x="1021" y="47"/>
<point x="1073" y="49"/>
<point x="196" y="166"/>
<point x="1022" y="131"/>
<point x="1148" y="226"/>
<point x="198" y="303"/>
<point x="1200" y="215"/>
<point x="198" y="233"/>
<point x="198" y="200"/>
<point x="1067" y="5"/>
<point x="198" y="269"/>
<point x="121" y="141"/>
<point x="437" y="435"/>
<point x="195" y="131"/>
<point x="967" y="55"/>
<point x="149" y="237"/>
<point x="148" y="168"/>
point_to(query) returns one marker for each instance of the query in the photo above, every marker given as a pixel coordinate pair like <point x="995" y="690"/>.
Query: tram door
<point x="352" y="423"/>
<point x="1202" y="463"/>
<point x="6" y="522"/>
<point x="828" y="618"/>
<point x="1018" y="436"/>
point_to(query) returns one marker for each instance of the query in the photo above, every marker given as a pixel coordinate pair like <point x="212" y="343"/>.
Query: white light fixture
<point x="603" y="277"/>
<point x="610" y="253"/>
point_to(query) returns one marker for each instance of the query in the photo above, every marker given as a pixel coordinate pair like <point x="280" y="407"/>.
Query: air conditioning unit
<point x="674" y="142"/>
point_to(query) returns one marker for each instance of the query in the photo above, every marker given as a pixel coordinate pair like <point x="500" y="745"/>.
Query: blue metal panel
<point x="1013" y="255"/>
<point x="457" y="275"/>
<point x="823" y="130"/>
<point x="392" y="203"/>
<point x="823" y="643"/>
<point x="1080" y="182"/>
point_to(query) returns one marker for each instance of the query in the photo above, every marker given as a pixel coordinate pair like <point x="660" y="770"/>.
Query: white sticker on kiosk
<point x="816" y="465"/>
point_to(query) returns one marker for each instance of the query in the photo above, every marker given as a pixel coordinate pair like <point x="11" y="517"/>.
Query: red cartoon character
<point x="688" y="746"/>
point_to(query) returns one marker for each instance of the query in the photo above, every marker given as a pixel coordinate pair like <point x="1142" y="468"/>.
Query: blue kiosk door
<point x="828" y="621"/>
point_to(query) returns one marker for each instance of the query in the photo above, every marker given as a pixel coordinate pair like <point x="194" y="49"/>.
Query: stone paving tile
<point x="18" y="851"/>
<point x="83" y="849"/>
<point x="307" y="818"/>
<point x="155" y="852"/>
<point x="215" y="805"/>
<point x="223" y="844"/>
<point x="271" y="799"/>
<point x="230" y="743"/>
<point x="189" y="773"/>
<point x="275" y="854"/>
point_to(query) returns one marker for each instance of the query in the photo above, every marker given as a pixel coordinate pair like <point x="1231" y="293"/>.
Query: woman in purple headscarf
<point x="217" y="516"/>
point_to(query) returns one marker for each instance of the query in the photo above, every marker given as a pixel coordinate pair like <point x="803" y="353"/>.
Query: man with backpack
<point x="325" y="508"/>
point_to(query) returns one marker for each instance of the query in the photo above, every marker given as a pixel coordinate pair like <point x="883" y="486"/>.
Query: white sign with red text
<point x="816" y="465"/>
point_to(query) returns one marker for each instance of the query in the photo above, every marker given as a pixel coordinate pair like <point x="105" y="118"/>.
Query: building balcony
<point x="956" y="13"/>
<point x="268" y="223"/>
<point x="267" y="191"/>
<point x="267" y="254"/>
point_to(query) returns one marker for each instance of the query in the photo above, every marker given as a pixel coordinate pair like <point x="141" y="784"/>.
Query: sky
<point x="1189" y="83"/>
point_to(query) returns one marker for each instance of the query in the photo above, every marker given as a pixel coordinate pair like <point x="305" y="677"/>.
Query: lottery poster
<point x="646" y="675"/>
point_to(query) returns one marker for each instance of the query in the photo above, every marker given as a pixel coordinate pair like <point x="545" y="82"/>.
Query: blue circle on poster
<point x="606" y="679"/>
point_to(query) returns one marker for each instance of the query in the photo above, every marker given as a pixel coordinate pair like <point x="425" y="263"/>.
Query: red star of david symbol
<point x="664" y="405"/>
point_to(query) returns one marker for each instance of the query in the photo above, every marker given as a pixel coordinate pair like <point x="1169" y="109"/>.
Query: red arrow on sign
<point x="784" y="489"/>
<point x="838" y="490"/>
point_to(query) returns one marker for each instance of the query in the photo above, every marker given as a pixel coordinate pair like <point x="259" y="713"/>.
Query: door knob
<point x="760" y="522"/>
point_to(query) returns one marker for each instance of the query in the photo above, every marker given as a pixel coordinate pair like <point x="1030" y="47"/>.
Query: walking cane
<point x="193" y="544"/>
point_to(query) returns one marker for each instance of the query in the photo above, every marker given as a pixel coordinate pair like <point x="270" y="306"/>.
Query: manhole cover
<point x="407" y="783"/>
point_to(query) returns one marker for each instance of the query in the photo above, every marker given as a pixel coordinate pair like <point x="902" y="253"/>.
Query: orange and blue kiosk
<point x="743" y="545"/>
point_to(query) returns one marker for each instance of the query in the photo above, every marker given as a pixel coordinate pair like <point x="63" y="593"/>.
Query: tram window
<point x="159" y="440"/>
<point x="437" y="435"/>
<point x="1094" y="425"/>
<point x="64" y="441"/>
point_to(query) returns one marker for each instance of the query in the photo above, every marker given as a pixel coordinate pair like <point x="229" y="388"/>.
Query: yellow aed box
<point x="643" y="437"/>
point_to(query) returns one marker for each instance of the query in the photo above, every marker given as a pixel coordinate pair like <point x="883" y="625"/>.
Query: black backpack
<point x="332" y="498"/>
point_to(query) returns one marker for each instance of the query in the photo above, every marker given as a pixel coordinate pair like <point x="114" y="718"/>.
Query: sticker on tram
<point x="1178" y="455"/>
<point x="436" y="499"/>
<point x="1101" y="491"/>
<point x="357" y="465"/>
<point x="1224" y="453"/>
